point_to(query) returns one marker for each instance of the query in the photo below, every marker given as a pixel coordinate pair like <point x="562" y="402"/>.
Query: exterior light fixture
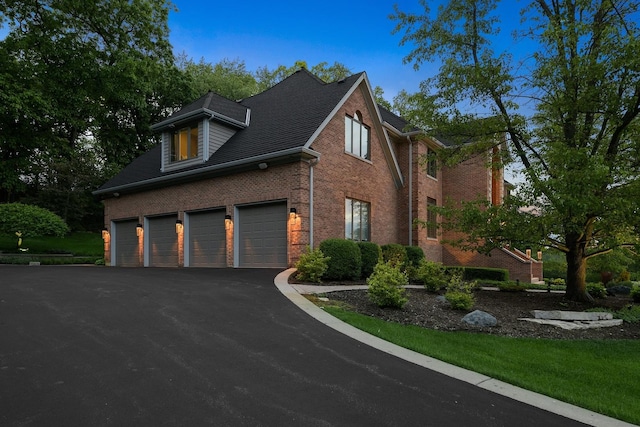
<point x="105" y="233"/>
<point x="528" y="252"/>
<point x="263" y="166"/>
<point x="179" y="226"/>
<point x="293" y="213"/>
<point x="227" y="221"/>
<point x="139" y="230"/>
<point x="539" y="255"/>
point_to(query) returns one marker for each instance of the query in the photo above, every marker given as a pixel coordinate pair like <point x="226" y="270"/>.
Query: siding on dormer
<point x="218" y="135"/>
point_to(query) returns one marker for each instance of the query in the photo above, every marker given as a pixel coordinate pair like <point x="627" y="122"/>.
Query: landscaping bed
<point x="426" y="310"/>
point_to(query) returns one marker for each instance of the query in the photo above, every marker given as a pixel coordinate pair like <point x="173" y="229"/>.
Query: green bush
<point x="635" y="293"/>
<point x="624" y="276"/>
<point x="386" y="285"/>
<point x="415" y="255"/>
<point x="460" y="292"/>
<point x="433" y="275"/>
<point x="345" y="261"/>
<point x="481" y="273"/>
<point x="597" y="290"/>
<point x="511" y="287"/>
<point x="396" y="254"/>
<point x="312" y="265"/>
<point x="30" y="221"/>
<point x="371" y="255"/>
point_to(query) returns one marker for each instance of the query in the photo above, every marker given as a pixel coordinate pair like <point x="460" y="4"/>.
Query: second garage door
<point x="163" y="241"/>
<point x="262" y="235"/>
<point x="206" y="239"/>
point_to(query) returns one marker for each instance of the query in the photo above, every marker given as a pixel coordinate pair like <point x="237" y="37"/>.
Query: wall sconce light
<point x="263" y="166"/>
<point x="528" y="252"/>
<point x="227" y="221"/>
<point x="539" y="255"/>
<point x="139" y="230"/>
<point x="105" y="233"/>
<point x="293" y="213"/>
<point x="179" y="226"/>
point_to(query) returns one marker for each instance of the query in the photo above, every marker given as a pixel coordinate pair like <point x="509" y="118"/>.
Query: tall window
<point x="432" y="219"/>
<point x="184" y="143"/>
<point x="357" y="220"/>
<point x="432" y="163"/>
<point x="356" y="137"/>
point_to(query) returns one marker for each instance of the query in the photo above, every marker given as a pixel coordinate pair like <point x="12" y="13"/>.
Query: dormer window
<point x="184" y="143"/>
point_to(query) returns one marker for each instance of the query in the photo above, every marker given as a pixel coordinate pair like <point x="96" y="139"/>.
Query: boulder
<point x="480" y="318"/>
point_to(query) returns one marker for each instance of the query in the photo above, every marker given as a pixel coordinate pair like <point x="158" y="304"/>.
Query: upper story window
<point x="184" y="143"/>
<point x="432" y="219"/>
<point x="356" y="137"/>
<point x="432" y="163"/>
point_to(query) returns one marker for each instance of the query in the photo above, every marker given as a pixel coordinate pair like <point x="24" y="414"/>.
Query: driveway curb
<point x="531" y="398"/>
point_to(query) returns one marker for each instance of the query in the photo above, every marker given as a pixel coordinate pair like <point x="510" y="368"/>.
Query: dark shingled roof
<point x="283" y="117"/>
<point x="397" y="122"/>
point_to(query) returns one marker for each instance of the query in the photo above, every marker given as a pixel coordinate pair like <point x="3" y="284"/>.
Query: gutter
<point x="204" y="171"/>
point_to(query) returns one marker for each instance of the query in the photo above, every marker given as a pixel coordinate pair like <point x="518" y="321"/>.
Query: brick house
<point x="252" y="183"/>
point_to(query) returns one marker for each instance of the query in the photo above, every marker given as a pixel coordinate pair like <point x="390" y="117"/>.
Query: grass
<point x="598" y="375"/>
<point x="84" y="247"/>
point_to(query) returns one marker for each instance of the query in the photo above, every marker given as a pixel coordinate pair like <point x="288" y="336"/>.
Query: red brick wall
<point x="340" y="175"/>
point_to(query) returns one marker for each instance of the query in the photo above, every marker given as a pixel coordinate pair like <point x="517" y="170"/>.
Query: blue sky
<point x="356" y="33"/>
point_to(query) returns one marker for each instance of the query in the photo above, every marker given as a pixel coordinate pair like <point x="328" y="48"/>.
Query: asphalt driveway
<point x="92" y="346"/>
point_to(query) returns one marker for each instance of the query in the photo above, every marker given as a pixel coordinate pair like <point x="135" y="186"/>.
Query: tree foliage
<point x="568" y="107"/>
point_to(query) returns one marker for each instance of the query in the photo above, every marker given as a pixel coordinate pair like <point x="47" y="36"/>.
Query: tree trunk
<point x="577" y="275"/>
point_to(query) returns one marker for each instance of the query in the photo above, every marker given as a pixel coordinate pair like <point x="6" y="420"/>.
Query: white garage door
<point x="207" y="239"/>
<point x="126" y="244"/>
<point x="262" y="235"/>
<point x="162" y="241"/>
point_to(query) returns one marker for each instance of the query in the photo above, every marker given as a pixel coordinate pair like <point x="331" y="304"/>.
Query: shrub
<point x="511" y="287"/>
<point x="395" y="254"/>
<point x="624" y="276"/>
<point x="635" y="293"/>
<point x="371" y="255"/>
<point x="345" y="261"/>
<point x="481" y="273"/>
<point x="386" y="285"/>
<point x="460" y="293"/>
<point x="30" y="220"/>
<point x="433" y="275"/>
<point x="312" y="265"/>
<point x="596" y="290"/>
<point x="415" y="255"/>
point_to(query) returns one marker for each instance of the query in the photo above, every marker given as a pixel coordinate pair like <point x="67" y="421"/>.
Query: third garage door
<point x="262" y="235"/>
<point x="207" y="239"/>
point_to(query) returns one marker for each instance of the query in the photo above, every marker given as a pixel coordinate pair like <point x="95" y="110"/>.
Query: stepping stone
<point x="576" y="324"/>
<point x="572" y="315"/>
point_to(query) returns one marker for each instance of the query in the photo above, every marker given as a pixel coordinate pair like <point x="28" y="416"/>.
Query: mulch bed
<point x="425" y="310"/>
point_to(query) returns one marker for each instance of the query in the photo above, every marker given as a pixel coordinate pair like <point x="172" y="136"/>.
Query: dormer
<point x="193" y="134"/>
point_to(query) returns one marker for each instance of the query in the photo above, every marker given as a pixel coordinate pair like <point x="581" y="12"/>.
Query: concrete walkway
<point x="294" y="293"/>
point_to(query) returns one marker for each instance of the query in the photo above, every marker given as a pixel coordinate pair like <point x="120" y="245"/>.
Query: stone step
<point x="572" y="315"/>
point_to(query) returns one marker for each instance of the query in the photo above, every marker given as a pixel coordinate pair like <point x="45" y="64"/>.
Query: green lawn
<point x="602" y="376"/>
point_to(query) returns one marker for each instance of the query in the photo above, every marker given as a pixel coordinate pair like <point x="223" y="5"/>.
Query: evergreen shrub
<point x="312" y="265"/>
<point x="371" y="254"/>
<point x="345" y="260"/>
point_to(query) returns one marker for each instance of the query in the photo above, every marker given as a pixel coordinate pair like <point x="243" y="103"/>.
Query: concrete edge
<point x="525" y="396"/>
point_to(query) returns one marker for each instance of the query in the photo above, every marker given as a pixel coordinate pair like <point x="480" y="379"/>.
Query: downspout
<point x="410" y="191"/>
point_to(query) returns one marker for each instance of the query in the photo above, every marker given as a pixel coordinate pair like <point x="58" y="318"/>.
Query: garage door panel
<point x="163" y="241"/>
<point x="207" y="239"/>
<point x="263" y="235"/>
<point x="126" y="244"/>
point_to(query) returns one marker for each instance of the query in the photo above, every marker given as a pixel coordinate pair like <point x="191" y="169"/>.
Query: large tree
<point x="565" y="92"/>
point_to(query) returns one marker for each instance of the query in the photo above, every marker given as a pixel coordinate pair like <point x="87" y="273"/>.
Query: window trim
<point x="432" y="164"/>
<point x="189" y="131"/>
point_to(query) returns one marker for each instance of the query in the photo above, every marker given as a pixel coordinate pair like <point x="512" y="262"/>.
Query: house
<point x="252" y="183"/>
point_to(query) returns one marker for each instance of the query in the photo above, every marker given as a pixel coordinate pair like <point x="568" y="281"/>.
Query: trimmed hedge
<point x="482" y="273"/>
<point x="345" y="261"/>
<point x="396" y="254"/>
<point x="371" y="254"/>
<point x="30" y="221"/>
<point x="415" y="255"/>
